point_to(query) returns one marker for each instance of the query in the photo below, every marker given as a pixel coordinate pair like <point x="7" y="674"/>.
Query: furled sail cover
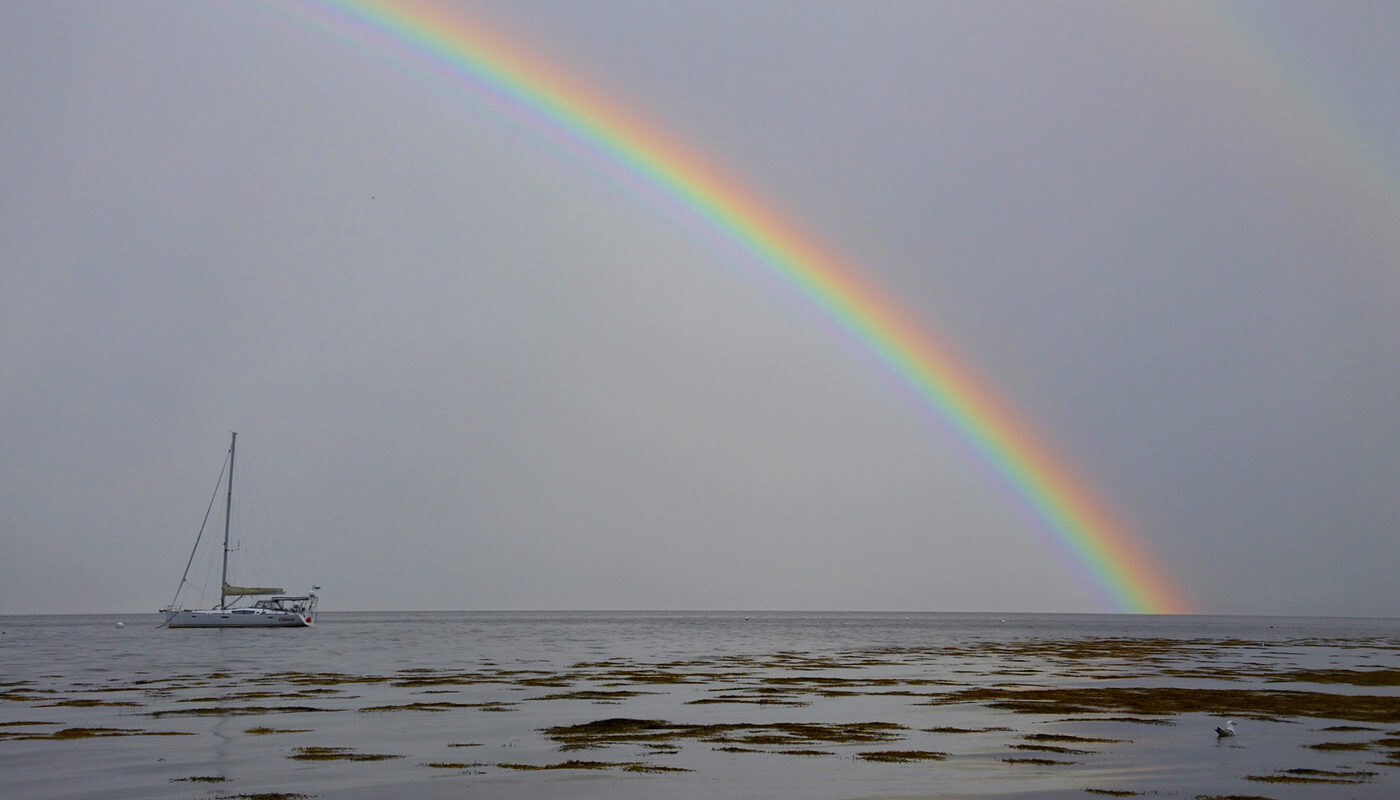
<point x="244" y="591"/>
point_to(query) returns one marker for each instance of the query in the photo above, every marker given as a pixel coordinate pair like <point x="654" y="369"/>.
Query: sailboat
<point x="272" y="609"/>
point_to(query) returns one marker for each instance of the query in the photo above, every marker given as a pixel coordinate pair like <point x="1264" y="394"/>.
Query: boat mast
<point x="228" y="513"/>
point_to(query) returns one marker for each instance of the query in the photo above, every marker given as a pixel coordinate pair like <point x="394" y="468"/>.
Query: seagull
<point x="1228" y="730"/>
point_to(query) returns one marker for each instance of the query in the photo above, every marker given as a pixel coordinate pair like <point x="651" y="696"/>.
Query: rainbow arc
<point x="1110" y="554"/>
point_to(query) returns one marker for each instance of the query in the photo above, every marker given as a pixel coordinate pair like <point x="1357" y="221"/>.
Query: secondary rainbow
<point x="1109" y="554"/>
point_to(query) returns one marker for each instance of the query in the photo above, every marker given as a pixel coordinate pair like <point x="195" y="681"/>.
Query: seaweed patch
<point x="337" y="754"/>
<point x="89" y="733"/>
<point x="1314" y="776"/>
<point x="618" y="730"/>
<point x="902" y="756"/>
<point x="230" y="711"/>
<point x="630" y="766"/>
<point x="1170" y="701"/>
<point x="265" y="796"/>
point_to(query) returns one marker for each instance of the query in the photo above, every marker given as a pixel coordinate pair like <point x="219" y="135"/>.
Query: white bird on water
<point x="1228" y="730"/>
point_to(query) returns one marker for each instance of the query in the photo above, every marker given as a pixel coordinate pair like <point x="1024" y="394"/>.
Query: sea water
<point x="761" y="705"/>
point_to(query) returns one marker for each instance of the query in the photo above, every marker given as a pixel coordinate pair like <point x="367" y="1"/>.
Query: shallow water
<point x="733" y="705"/>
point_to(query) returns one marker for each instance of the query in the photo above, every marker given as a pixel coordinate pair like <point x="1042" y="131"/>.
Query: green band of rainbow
<point x="1116" y="560"/>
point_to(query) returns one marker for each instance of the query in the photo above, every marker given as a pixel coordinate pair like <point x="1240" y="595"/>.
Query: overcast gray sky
<point x="471" y="369"/>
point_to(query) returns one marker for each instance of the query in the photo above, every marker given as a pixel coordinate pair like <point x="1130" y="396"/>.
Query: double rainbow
<point x="1110" y="556"/>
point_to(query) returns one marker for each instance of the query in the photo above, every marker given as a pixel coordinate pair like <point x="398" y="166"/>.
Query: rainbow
<point x="1109" y="554"/>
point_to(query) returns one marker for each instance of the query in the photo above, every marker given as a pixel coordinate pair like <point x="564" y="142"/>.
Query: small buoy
<point x="308" y="620"/>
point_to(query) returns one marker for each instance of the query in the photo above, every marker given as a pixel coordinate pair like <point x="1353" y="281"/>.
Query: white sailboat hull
<point x="239" y="618"/>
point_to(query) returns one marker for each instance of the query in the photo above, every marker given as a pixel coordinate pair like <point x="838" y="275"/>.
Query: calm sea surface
<point x="681" y="705"/>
